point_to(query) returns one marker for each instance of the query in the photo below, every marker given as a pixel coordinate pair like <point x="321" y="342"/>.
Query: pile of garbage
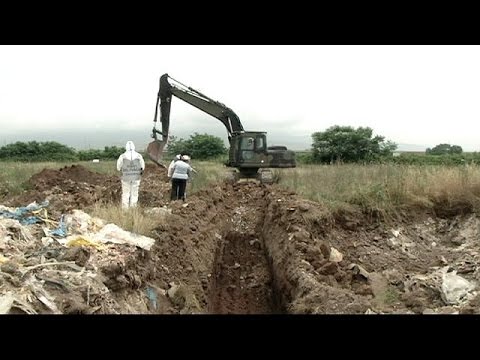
<point x="69" y="265"/>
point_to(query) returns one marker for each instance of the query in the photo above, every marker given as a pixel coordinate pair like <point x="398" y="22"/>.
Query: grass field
<point x="382" y="187"/>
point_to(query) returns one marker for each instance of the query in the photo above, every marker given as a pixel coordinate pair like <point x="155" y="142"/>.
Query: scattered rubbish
<point x="455" y="288"/>
<point x="25" y="215"/>
<point x="358" y="270"/>
<point x="159" y="210"/>
<point x="61" y="230"/>
<point x="152" y="296"/>
<point x="395" y="232"/>
<point x="173" y="290"/>
<point x="79" y="240"/>
<point x="6" y="302"/>
<point x="335" y="255"/>
<point x="114" y="234"/>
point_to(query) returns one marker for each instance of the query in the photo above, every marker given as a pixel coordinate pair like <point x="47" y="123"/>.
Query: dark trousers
<point x="178" y="189"/>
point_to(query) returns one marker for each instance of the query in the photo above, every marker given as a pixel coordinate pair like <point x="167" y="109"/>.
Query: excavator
<point x="248" y="152"/>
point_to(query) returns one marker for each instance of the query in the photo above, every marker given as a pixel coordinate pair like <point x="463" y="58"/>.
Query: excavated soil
<point x="75" y="187"/>
<point x="247" y="248"/>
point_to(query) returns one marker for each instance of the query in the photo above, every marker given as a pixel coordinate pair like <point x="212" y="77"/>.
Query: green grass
<point x="137" y="220"/>
<point x="208" y="172"/>
<point x="384" y="187"/>
<point x="14" y="175"/>
<point x="103" y="167"/>
<point x="381" y="187"/>
<point x="391" y="296"/>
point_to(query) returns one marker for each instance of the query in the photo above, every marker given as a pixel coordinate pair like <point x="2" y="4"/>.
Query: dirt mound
<point x="155" y="186"/>
<point x="48" y="178"/>
<point x="71" y="187"/>
<point x="76" y="187"/>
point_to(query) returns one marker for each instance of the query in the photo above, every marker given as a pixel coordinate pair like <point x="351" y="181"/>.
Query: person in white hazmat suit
<point x="132" y="165"/>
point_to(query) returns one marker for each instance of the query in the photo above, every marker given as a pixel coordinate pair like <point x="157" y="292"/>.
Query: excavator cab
<point x="249" y="150"/>
<point x="251" y="156"/>
<point x="246" y="148"/>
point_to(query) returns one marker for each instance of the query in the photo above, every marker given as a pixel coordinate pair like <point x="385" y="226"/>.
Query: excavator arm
<point x="195" y="98"/>
<point x="167" y="89"/>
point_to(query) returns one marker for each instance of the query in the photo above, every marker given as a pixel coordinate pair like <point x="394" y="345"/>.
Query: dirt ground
<point x="242" y="248"/>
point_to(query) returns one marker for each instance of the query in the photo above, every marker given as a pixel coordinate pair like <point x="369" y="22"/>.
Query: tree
<point x="346" y="144"/>
<point x="38" y="151"/>
<point x="176" y="146"/>
<point x="109" y="153"/>
<point x="112" y="152"/>
<point x="199" y="146"/>
<point x="444" y="149"/>
<point x="456" y="149"/>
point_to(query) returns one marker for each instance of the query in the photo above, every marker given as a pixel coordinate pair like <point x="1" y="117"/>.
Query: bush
<point x="349" y="145"/>
<point x="199" y="146"/>
<point x="37" y="151"/>
<point x="34" y="151"/>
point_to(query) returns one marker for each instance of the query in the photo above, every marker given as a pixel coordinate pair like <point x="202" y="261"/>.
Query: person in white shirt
<point x="181" y="171"/>
<point x="170" y="167"/>
<point x="132" y="165"/>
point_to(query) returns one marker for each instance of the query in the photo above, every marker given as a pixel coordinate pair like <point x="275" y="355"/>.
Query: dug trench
<point x="248" y="248"/>
<point x="242" y="278"/>
<point x="228" y="268"/>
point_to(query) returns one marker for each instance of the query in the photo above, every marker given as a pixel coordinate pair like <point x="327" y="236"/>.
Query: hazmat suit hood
<point x="130" y="152"/>
<point x="130" y="146"/>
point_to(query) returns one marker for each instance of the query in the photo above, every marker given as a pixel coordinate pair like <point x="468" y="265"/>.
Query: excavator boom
<point x="195" y="98"/>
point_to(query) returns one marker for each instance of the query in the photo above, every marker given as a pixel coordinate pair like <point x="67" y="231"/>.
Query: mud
<point x="259" y="249"/>
<point x="75" y="187"/>
<point x="242" y="280"/>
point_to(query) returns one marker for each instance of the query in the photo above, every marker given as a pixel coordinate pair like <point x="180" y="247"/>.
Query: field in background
<point x="385" y="187"/>
<point x="381" y="187"/>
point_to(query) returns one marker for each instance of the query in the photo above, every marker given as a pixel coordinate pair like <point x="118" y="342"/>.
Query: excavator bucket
<point x="155" y="151"/>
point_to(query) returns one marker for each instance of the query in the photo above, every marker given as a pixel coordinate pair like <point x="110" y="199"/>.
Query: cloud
<point x="409" y="94"/>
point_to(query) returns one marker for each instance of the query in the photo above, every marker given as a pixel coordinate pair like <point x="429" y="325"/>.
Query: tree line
<point x="337" y="144"/>
<point x="53" y="151"/>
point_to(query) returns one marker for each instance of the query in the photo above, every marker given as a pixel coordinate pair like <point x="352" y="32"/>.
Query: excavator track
<point x="263" y="176"/>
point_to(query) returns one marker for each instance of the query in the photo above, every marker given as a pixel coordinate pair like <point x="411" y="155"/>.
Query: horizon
<point x="81" y="140"/>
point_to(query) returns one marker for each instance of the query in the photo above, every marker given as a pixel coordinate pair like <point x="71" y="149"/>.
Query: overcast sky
<point x="423" y="95"/>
